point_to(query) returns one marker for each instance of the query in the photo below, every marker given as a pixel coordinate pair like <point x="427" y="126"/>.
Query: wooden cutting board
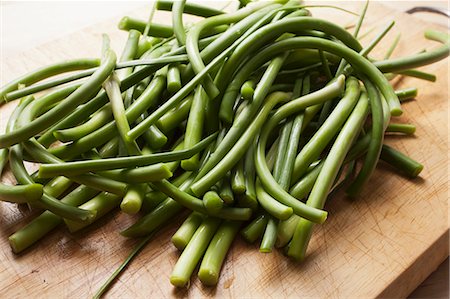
<point x="383" y="244"/>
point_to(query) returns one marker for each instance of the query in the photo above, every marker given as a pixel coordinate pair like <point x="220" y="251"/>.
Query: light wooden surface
<point x="383" y="244"/>
<point x="435" y="286"/>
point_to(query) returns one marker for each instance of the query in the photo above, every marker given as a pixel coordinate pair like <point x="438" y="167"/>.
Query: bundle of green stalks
<point x="247" y="119"/>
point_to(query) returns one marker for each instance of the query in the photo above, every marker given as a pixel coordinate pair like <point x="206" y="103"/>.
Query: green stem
<point x="79" y="96"/>
<point x="185" y="232"/>
<point x="392" y="47"/>
<point x="376" y="142"/>
<point x="226" y="193"/>
<point x="107" y="284"/>
<point x="407" y="93"/>
<point x="177" y="21"/>
<point x="238" y="178"/>
<point x="189" y="8"/>
<point x="132" y="201"/>
<point x="112" y="89"/>
<point x="156" y="30"/>
<point x="271" y="205"/>
<point x="327" y="175"/>
<point x="400" y="161"/>
<point x="75" y="168"/>
<point x="194" y="127"/>
<point x="46" y="72"/>
<point x="269" y="183"/>
<point x="255" y="229"/>
<point x="193" y="252"/>
<point x="407" y="129"/>
<point x="173" y="118"/>
<point x="212" y="202"/>
<point x="270" y="236"/>
<point x="47" y="221"/>
<point x="101" y="204"/>
<point x="317" y="143"/>
<point x="196" y="204"/>
<point x="217" y="250"/>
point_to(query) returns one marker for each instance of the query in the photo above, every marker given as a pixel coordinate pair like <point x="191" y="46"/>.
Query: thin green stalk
<point x="248" y="90"/>
<point x="317" y="143"/>
<point x="327" y="175"/>
<point x="46" y="72"/>
<point x="107" y="284"/>
<point x="21" y="194"/>
<point x="407" y="129"/>
<point x="238" y="178"/>
<point x="129" y="53"/>
<point x="57" y="186"/>
<point x="173" y="78"/>
<point x="149" y="24"/>
<point x="172" y="119"/>
<point x="250" y="178"/>
<point x="217" y="250"/>
<point x="75" y="168"/>
<point x="132" y="201"/>
<point x="47" y="221"/>
<point x="400" y="161"/>
<point x="189" y="8"/>
<point x="271" y="205"/>
<point x="194" y="127"/>
<point x="377" y="39"/>
<point x="177" y="21"/>
<point x="255" y="229"/>
<point x="302" y="188"/>
<point x="155" y="30"/>
<point x="376" y="142"/>
<point x="407" y="93"/>
<point x="139" y="175"/>
<point x="286" y="230"/>
<point x="96" y="121"/>
<point x="392" y="47"/>
<point x="193" y="252"/>
<point x="212" y="202"/>
<point x="84" y="93"/>
<point x="361" y="18"/>
<point x="226" y="193"/>
<point x="37" y="151"/>
<point x="196" y="204"/>
<point x="285" y="176"/>
<point x="421" y="59"/>
<point x="112" y="89"/>
<point x="17" y="194"/>
<point x="185" y="232"/>
<point x="281" y="152"/>
<point x="418" y="74"/>
<point x="270" y="236"/>
<point x="325" y="65"/>
<point x="101" y="204"/>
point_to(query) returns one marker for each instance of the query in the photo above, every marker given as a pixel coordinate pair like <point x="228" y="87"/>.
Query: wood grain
<point x="383" y="244"/>
<point x="436" y="285"/>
